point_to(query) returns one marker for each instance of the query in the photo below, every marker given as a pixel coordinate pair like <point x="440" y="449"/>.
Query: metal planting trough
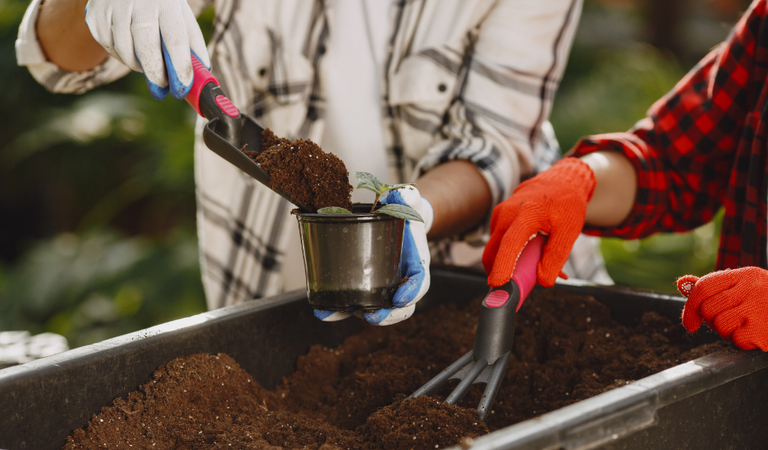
<point x="718" y="401"/>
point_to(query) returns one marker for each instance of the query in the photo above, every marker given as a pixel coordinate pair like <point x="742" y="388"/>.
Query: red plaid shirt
<point x="703" y="147"/>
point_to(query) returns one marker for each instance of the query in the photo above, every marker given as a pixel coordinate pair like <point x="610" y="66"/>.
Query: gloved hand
<point x="153" y="37"/>
<point x="734" y="303"/>
<point x="414" y="263"/>
<point x="553" y="203"/>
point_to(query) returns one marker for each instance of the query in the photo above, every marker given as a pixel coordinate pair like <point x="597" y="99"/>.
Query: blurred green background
<point x="97" y="207"/>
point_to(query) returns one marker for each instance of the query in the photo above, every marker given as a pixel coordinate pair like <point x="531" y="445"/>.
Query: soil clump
<point x="301" y="168"/>
<point x="567" y="348"/>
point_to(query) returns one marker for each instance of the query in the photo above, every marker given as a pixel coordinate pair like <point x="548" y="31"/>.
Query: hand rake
<point x="487" y="361"/>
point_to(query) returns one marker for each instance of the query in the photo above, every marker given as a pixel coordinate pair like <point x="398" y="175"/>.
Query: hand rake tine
<point x="492" y="388"/>
<point x="466" y="383"/>
<point x="435" y="383"/>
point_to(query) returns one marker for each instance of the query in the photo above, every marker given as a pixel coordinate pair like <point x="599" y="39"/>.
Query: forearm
<point x="459" y="196"/>
<point x="615" y="190"/>
<point x="65" y="38"/>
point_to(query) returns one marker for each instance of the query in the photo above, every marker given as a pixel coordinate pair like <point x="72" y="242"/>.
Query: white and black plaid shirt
<point x="464" y="79"/>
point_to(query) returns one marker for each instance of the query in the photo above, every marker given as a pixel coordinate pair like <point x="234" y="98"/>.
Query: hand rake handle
<point x="526" y="267"/>
<point x="496" y="329"/>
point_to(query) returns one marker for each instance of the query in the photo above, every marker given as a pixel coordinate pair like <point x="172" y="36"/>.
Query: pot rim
<point x="354" y="217"/>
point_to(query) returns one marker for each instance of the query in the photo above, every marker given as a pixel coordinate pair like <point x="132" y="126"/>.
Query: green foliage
<point x="372" y="183"/>
<point x="99" y="285"/>
<point x="401" y="212"/>
<point x="367" y="181"/>
<point x="655" y="263"/>
<point x="100" y="188"/>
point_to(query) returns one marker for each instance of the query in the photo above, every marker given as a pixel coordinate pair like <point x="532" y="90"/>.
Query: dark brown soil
<point x="567" y="348"/>
<point x="301" y="168"/>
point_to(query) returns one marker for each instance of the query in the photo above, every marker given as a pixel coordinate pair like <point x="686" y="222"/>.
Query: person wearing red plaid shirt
<point x="702" y="147"/>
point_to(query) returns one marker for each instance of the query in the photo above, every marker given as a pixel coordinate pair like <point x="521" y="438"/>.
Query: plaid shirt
<point x="464" y="79"/>
<point x="703" y="147"/>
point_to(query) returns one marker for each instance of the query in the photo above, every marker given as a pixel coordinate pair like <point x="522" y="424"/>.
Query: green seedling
<point x="367" y="181"/>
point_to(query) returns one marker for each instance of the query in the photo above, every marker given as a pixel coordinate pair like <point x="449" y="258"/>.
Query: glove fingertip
<point x="550" y="267"/>
<point x="394" y="197"/>
<point x="332" y="316"/>
<point x="157" y="92"/>
<point x="490" y="252"/>
<point x="388" y="316"/>
<point x="412" y="290"/>
<point x="500" y="273"/>
<point x="505" y="252"/>
<point x="545" y="278"/>
<point x="322" y="314"/>
<point x="692" y="320"/>
<point x="685" y="284"/>
<point x="750" y="337"/>
<point x="178" y="88"/>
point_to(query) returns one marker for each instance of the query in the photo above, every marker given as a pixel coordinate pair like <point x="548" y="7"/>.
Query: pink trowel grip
<point x="526" y="266"/>
<point x="204" y="76"/>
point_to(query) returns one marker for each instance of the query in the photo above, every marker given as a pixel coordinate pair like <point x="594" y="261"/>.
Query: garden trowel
<point x="228" y="132"/>
<point x="487" y="361"/>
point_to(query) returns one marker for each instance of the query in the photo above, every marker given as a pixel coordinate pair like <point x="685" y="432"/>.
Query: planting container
<point x="716" y="402"/>
<point x="351" y="259"/>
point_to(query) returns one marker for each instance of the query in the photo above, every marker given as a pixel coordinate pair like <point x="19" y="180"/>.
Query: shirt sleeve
<point x="683" y="151"/>
<point x="515" y="65"/>
<point x="29" y="53"/>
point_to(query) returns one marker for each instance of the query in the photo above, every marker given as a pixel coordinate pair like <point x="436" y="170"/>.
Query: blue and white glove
<point x="414" y="264"/>
<point x="153" y="37"/>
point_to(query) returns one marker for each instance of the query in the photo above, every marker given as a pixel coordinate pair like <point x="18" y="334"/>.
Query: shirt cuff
<point x="28" y="50"/>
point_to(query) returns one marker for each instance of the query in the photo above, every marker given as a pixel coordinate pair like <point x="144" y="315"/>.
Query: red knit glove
<point x="734" y="303"/>
<point x="554" y="203"/>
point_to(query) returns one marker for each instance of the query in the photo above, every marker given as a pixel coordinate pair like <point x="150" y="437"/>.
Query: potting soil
<point x="567" y="348"/>
<point x="301" y="168"/>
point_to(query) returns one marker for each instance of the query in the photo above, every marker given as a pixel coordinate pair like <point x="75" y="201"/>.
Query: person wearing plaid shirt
<point x="464" y="85"/>
<point x="702" y="147"/>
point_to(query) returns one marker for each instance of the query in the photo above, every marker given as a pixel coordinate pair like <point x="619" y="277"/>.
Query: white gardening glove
<point x="154" y="37"/>
<point x="414" y="263"/>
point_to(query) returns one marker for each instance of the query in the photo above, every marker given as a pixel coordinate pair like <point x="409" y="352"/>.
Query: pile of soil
<point x="567" y="348"/>
<point x="301" y="168"/>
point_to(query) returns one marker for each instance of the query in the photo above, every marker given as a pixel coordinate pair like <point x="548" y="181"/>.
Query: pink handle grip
<point x="202" y="77"/>
<point x="525" y="269"/>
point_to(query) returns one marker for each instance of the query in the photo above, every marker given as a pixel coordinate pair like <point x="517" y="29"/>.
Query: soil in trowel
<point x="301" y="168"/>
<point x="567" y="348"/>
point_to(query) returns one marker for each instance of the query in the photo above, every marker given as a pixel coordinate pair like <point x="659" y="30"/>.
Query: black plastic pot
<point x="715" y="402"/>
<point x="351" y="260"/>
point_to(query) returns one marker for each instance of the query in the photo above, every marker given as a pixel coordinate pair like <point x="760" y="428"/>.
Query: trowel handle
<point x="207" y="97"/>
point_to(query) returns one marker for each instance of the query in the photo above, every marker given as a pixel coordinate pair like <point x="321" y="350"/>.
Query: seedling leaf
<point x="333" y="210"/>
<point x="367" y="181"/>
<point x="401" y="212"/>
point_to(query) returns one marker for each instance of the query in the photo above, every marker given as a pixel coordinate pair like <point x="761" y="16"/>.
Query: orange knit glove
<point x="554" y="203"/>
<point x="733" y="302"/>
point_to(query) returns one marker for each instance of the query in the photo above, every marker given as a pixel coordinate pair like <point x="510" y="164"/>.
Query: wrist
<point x="615" y="190"/>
